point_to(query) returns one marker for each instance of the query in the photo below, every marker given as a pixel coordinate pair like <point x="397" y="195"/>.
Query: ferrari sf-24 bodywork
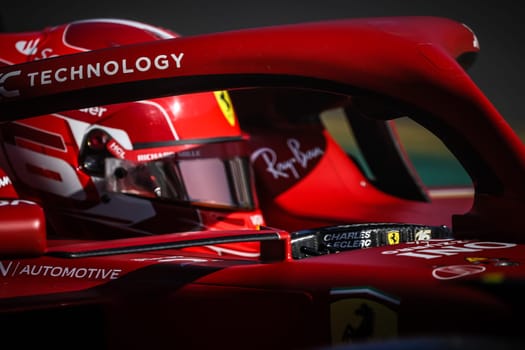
<point x="342" y="259"/>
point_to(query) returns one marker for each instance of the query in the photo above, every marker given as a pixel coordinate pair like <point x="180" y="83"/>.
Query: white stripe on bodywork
<point x="80" y="130"/>
<point x="68" y="186"/>
<point x="165" y="114"/>
<point x="62" y="149"/>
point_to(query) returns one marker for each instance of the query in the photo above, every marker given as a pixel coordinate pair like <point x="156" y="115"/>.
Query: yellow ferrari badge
<point x="226" y="105"/>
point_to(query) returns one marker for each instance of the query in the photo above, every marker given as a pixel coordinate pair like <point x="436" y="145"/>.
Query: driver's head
<point x="153" y="166"/>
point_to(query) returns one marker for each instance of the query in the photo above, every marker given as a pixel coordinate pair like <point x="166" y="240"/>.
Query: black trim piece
<point x="11" y="110"/>
<point x="393" y="171"/>
<point x="467" y="59"/>
<point x="165" y="245"/>
<point x="142" y="145"/>
<point x="334" y="239"/>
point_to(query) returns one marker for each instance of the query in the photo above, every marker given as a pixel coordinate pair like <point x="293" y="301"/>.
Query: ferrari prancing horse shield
<point x="358" y="319"/>
<point x="226" y="105"/>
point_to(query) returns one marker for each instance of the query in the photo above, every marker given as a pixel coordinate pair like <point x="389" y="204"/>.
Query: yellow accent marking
<point x="392" y="237"/>
<point x="476" y="259"/>
<point x="226" y="105"/>
<point x="354" y="320"/>
<point x="494" y="277"/>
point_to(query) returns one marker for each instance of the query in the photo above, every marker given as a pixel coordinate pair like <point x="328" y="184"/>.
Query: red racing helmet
<point x="154" y="166"/>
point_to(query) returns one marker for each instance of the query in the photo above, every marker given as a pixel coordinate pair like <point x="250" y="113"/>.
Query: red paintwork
<point x="23" y="230"/>
<point x="334" y="180"/>
<point x="161" y="126"/>
<point x="156" y="292"/>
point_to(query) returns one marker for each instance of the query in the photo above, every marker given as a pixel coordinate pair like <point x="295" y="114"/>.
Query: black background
<point x="498" y="25"/>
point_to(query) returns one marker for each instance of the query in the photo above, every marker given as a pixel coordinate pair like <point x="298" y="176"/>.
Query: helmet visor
<point x="193" y="176"/>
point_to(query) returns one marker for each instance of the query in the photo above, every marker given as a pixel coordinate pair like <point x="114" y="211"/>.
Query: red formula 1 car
<point x="252" y="189"/>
